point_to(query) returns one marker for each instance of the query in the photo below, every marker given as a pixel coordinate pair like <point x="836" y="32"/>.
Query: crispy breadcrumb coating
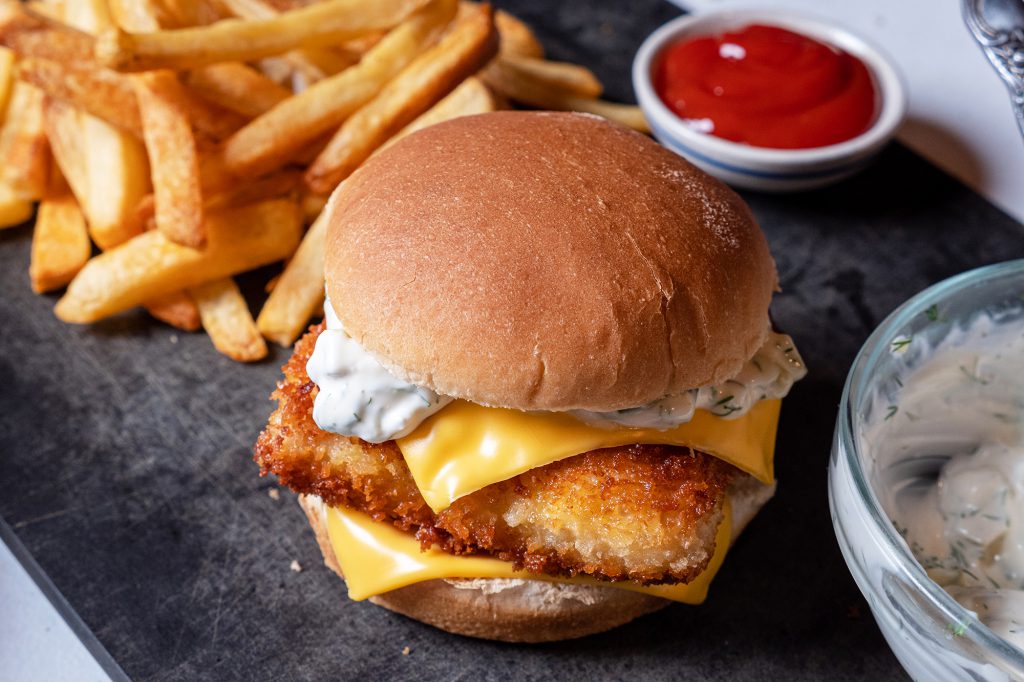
<point x="646" y="513"/>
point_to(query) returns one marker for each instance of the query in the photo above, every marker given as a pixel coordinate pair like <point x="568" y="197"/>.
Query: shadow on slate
<point x="126" y="464"/>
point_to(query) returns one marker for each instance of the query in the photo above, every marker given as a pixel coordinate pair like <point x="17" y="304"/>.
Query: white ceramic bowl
<point x="760" y="168"/>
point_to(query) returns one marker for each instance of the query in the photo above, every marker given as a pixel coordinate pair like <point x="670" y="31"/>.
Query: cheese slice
<point x="466" y="447"/>
<point x="377" y="557"/>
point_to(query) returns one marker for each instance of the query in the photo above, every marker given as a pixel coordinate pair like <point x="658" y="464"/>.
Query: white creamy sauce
<point x="950" y="443"/>
<point x="769" y="374"/>
<point x="359" y="397"/>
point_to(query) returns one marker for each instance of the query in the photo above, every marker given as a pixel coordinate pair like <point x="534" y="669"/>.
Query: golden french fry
<point x="279" y="70"/>
<point x="324" y="23"/>
<point x="516" y="37"/>
<point x="6" y="76"/>
<point x="625" y="114"/>
<point x="173" y="158"/>
<point x="13" y="210"/>
<point x="24" y="150"/>
<point x="115" y="161"/>
<point x="571" y="79"/>
<point x="237" y="87"/>
<point x="176" y="309"/>
<point x="299" y="293"/>
<point x="312" y="205"/>
<point x="210" y="120"/>
<point x="251" y="9"/>
<point x="471" y="97"/>
<point x="271" y="140"/>
<point x="516" y="86"/>
<point x="63" y="125"/>
<point x="184" y="13"/>
<point x="60" y="243"/>
<point x="226" y="318"/>
<point x="470" y="43"/>
<point x="150" y="265"/>
<point x="312" y="64"/>
<point x="30" y="34"/>
<point x="104" y="94"/>
<point x="271" y="186"/>
<point x="136" y="16"/>
<point x="51" y="9"/>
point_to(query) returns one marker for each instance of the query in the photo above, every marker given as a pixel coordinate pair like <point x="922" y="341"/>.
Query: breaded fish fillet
<point x="646" y="513"/>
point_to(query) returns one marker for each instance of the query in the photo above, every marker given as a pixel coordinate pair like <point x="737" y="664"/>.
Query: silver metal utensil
<point x="998" y="27"/>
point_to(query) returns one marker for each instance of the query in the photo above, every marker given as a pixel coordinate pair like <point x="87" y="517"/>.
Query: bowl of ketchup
<point x="771" y="101"/>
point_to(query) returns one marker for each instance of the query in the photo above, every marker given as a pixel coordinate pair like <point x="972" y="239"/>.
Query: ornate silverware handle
<point x="998" y="27"/>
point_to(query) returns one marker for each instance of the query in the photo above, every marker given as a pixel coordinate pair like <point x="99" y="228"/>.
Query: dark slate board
<point x="126" y="467"/>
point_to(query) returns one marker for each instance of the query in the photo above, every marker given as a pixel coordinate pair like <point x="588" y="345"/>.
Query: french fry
<point x="571" y="79"/>
<point x="471" y="97"/>
<point x="324" y="23"/>
<point x="183" y="13"/>
<point x="62" y="123"/>
<point x="102" y="93"/>
<point x="212" y="121"/>
<point x="136" y="16"/>
<point x="226" y="318"/>
<point x="6" y="76"/>
<point x="311" y="64"/>
<point x="30" y="34"/>
<point x="150" y="265"/>
<point x="517" y="38"/>
<point x="312" y="205"/>
<point x="13" y="210"/>
<point x="24" y="150"/>
<point x="270" y="186"/>
<point x="173" y="158"/>
<point x="115" y="161"/>
<point x="176" y="309"/>
<point x="625" y="114"/>
<point x="517" y="86"/>
<point x="299" y="293"/>
<point x="60" y="243"/>
<point x="237" y="87"/>
<point x="470" y="43"/>
<point x="271" y="140"/>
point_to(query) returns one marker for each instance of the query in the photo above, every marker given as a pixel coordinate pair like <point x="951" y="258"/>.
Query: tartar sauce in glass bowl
<point x="948" y="444"/>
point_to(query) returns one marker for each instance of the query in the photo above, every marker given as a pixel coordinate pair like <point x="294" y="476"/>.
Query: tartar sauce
<point x="951" y="443"/>
<point x="769" y="374"/>
<point x="359" y="397"/>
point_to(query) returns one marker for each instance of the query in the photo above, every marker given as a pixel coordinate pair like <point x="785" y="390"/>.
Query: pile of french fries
<point x="173" y="144"/>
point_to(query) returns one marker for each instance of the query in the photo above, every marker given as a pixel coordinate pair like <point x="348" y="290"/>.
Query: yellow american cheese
<point x="377" y="557"/>
<point x="466" y="447"/>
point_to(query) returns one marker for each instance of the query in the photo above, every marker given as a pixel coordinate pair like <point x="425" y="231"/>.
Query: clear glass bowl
<point x="934" y="637"/>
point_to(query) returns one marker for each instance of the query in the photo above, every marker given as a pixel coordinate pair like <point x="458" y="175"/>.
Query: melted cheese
<point x="466" y="447"/>
<point x="377" y="557"/>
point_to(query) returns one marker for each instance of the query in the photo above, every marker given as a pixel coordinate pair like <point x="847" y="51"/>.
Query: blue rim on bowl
<point x="763" y="168"/>
<point x="848" y="482"/>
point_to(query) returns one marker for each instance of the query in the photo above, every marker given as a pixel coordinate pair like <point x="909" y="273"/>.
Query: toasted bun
<point x="547" y="261"/>
<point x="525" y="610"/>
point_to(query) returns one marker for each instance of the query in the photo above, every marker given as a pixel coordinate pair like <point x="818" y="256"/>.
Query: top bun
<point x="546" y="261"/>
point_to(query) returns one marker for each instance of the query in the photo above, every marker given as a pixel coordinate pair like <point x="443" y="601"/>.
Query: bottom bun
<point x="515" y="610"/>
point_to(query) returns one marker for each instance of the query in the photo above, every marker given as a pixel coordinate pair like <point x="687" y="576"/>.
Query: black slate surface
<point x="126" y="469"/>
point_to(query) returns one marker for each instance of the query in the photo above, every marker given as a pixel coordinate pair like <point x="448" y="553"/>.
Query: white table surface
<point x="959" y="115"/>
<point x="41" y="638"/>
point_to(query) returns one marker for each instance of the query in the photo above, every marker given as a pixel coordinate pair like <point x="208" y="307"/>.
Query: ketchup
<point x="767" y="87"/>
